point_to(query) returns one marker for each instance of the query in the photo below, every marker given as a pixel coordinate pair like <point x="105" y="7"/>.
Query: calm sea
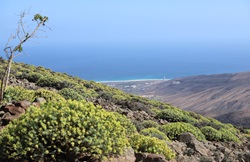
<point x="105" y="63"/>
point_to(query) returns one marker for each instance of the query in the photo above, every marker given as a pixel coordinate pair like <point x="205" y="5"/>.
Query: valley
<point x="225" y="97"/>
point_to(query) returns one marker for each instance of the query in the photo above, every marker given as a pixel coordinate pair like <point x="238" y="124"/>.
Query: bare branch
<point x="21" y="22"/>
<point x="23" y="36"/>
<point x="17" y="33"/>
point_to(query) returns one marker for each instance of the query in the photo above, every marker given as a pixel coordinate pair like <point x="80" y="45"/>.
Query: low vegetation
<point x="153" y="132"/>
<point x="173" y="130"/>
<point x="141" y="143"/>
<point x="78" y="128"/>
<point x="63" y="129"/>
<point x="211" y="133"/>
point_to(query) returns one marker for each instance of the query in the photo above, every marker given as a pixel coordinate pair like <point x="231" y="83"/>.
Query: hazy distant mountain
<point x="224" y="96"/>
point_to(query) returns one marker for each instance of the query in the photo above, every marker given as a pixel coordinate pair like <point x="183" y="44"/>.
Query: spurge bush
<point x="67" y="129"/>
<point x="141" y="143"/>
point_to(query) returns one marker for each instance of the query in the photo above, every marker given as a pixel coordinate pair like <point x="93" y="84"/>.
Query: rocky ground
<point x="187" y="147"/>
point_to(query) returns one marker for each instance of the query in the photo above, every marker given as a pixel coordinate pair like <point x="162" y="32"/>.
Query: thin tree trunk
<point x="5" y="78"/>
<point x="23" y="36"/>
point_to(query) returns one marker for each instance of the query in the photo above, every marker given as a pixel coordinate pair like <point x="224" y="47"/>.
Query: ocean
<point x="113" y="63"/>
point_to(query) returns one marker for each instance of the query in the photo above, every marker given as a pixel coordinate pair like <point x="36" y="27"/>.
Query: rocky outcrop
<point x="128" y="156"/>
<point x="11" y="111"/>
<point x="133" y="115"/>
<point x="189" y="149"/>
<point x="23" y="83"/>
<point x="194" y="145"/>
<point x="147" y="157"/>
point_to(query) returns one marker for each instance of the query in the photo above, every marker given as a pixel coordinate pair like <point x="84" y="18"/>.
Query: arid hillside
<point x="225" y="97"/>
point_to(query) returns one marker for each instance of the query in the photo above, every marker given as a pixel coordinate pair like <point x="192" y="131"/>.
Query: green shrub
<point x="227" y="136"/>
<point x="231" y="128"/>
<point x="153" y="132"/>
<point x="126" y="123"/>
<point x="175" y="115"/>
<point x="30" y="76"/>
<point x="247" y="131"/>
<point x="18" y="93"/>
<point x="69" y="93"/>
<point x="149" y="124"/>
<point x="69" y="129"/>
<point x="141" y="143"/>
<point x="118" y="98"/>
<point x="50" y="81"/>
<point x="201" y="124"/>
<point x="145" y="124"/>
<point x="83" y="91"/>
<point x="173" y="130"/>
<point x="34" y="77"/>
<point x="155" y="111"/>
<point x="138" y="125"/>
<point x="211" y="133"/>
<point x="50" y="96"/>
<point x="247" y="136"/>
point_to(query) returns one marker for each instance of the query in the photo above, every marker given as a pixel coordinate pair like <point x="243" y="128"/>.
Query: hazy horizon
<point x="111" y="40"/>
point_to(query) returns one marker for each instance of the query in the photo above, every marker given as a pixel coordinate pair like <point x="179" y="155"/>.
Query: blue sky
<point x="191" y="26"/>
<point x="135" y="22"/>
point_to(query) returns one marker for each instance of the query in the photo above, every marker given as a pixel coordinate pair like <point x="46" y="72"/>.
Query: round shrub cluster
<point x="173" y="130"/>
<point x="69" y="93"/>
<point x="67" y="129"/>
<point x="231" y="128"/>
<point x="141" y="143"/>
<point x="50" y="96"/>
<point x="18" y="93"/>
<point x="30" y="76"/>
<point x="130" y="128"/>
<point x="175" y="115"/>
<point x="211" y="133"/>
<point x="153" y="132"/>
<point x="145" y="124"/>
<point x="227" y="136"/>
<point x="51" y="81"/>
<point x="149" y="124"/>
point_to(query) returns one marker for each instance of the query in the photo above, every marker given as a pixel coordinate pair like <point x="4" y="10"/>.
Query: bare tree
<point x="22" y="34"/>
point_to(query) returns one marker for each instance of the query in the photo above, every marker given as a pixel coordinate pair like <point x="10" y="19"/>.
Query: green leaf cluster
<point x="31" y="77"/>
<point x="224" y="135"/>
<point x="216" y="131"/>
<point x="154" y="132"/>
<point x="18" y="93"/>
<point x="228" y="136"/>
<point x="71" y="94"/>
<point x="173" y="130"/>
<point x="19" y="49"/>
<point x="145" y="124"/>
<point x="149" y="124"/>
<point x="130" y="128"/>
<point x="141" y="143"/>
<point x="50" y="96"/>
<point x="38" y="17"/>
<point x="50" y="81"/>
<point x="211" y="133"/>
<point x="61" y="130"/>
<point x="175" y="115"/>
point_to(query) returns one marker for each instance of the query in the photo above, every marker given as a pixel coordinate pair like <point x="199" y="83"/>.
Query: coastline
<point x="132" y="80"/>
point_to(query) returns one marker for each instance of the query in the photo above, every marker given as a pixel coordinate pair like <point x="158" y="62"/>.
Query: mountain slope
<point x="150" y="117"/>
<point x="225" y="97"/>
